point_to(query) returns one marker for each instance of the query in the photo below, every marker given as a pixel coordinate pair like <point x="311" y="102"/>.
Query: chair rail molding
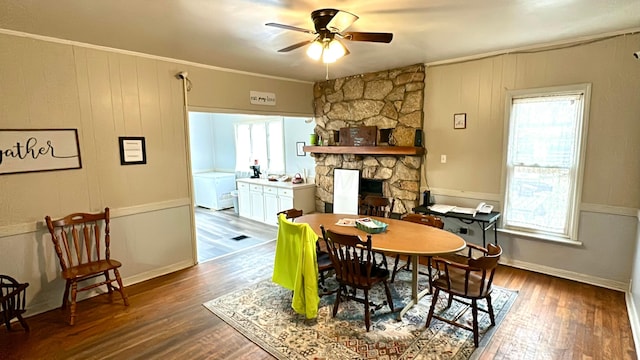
<point x="23" y="228"/>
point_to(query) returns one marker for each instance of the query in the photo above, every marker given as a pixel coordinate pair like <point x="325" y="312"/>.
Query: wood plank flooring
<point x="551" y="319"/>
<point x="216" y="230"/>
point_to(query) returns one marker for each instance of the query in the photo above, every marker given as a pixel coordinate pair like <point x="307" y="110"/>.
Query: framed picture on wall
<point x="300" y="149"/>
<point x="34" y="150"/>
<point x="460" y="121"/>
<point x="132" y="150"/>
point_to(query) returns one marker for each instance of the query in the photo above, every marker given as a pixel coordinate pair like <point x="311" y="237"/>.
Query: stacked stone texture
<point x="391" y="99"/>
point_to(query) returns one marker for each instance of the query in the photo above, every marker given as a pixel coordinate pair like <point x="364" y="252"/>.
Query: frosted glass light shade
<point x="334" y="51"/>
<point x="314" y="50"/>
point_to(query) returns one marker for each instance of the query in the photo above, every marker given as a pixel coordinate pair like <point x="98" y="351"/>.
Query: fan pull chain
<point x="327" y="73"/>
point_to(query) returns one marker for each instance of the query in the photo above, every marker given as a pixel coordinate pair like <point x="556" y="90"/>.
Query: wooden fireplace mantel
<point x="365" y="150"/>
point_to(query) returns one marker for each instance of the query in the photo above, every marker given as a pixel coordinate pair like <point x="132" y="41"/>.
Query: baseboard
<point x="157" y="272"/>
<point x="569" y="275"/>
<point x="51" y="304"/>
<point x="633" y="320"/>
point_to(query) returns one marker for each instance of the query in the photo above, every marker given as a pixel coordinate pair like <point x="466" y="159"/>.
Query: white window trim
<point x="576" y="200"/>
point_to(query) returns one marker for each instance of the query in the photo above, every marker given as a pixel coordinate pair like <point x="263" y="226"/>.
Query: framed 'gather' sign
<point x="33" y="150"/>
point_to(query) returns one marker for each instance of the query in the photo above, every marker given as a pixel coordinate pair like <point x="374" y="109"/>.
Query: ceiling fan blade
<point x="297" y="45"/>
<point x="341" y="21"/>
<point x="368" y="36"/>
<point x="289" y="27"/>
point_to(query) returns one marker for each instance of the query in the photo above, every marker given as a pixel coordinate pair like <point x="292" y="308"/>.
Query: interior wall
<point x="297" y="129"/>
<point x="201" y="136"/>
<point x="474" y="168"/>
<point x="106" y="94"/>
<point x="633" y="298"/>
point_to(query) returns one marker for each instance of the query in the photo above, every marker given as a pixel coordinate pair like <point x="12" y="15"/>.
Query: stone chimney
<point x="391" y="99"/>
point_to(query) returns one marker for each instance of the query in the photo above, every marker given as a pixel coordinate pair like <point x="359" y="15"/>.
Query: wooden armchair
<point x="84" y="254"/>
<point x="373" y="205"/>
<point x="471" y="281"/>
<point x="428" y="220"/>
<point x="12" y="301"/>
<point x="353" y="262"/>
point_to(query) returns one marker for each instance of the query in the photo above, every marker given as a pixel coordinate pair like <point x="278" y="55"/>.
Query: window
<point x="262" y="141"/>
<point x="544" y="160"/>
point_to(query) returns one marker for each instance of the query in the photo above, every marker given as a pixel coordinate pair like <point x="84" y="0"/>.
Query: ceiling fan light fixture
<point x="333" y="51"/>
<point x="315" y="50"/>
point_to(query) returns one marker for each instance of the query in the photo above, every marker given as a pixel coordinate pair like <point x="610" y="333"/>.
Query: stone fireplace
<point x="391" y="99"/>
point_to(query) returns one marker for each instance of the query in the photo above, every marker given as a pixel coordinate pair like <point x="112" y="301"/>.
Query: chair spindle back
<point x="78" y="238"/>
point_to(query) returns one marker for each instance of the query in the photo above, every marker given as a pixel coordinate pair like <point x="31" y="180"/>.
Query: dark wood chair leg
<point x="429" y="273"/>
<point x="395" y="268"/>
<point x="65" y="298"/>
<point x="121" y="288"/>
<point x="474" y="311"/>
<point x="490" y="311"/>
<point x="337" y="303"/>
<point x="7" y="323"/>
<point x="109" y="286"/>
<point x="389" y="298"/>
<point x="434" y="300"/>
<point x="23" y="323"/>
<point x="74" y="293"/>
<point x="367" y="314"/>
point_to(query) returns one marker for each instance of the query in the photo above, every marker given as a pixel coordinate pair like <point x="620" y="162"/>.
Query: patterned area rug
<point x="262" y="313"/>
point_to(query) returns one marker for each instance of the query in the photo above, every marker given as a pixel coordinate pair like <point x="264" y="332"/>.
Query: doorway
<point x="213" y="147"/>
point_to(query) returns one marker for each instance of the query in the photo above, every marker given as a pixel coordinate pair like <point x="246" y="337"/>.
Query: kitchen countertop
<point x="280" y="184"/>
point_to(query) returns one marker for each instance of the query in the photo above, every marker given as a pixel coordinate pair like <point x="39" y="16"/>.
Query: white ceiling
<point x="231" y="33"/>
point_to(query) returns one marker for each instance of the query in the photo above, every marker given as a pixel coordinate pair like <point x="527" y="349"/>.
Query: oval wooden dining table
<point x="401" y="237"/>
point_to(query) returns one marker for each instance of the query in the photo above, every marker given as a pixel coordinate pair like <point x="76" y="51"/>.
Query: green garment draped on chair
<point x="296" y="266"/>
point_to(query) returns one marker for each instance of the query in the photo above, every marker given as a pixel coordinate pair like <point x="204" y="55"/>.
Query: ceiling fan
<point x="330" y="26"/>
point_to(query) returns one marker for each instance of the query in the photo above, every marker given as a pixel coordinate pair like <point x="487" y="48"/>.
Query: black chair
<point x="12" y="301"/>
<point x="471" y="281"/>
<point x="353" y="263"/>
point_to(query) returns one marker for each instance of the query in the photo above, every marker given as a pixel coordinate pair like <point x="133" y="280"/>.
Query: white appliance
<point x="213" y="189"/>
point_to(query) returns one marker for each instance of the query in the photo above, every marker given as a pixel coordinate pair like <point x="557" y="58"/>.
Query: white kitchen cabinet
<point x="244" y="200"/>
<point x="271" y="205"/>
<point x="266" y="198"/>
<point x="257" y="202"/>
<point x="285" y="199"/>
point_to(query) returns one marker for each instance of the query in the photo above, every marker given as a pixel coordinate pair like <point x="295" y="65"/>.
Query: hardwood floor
<point x="223" y="232"/>
<point x="551" y="319"/>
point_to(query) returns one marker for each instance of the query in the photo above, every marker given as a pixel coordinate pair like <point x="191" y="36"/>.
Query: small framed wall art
<point x="460" y="121"/>
<point x="132" y="150"/>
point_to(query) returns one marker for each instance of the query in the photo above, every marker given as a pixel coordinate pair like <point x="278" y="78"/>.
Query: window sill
<point x="532" y="236"/>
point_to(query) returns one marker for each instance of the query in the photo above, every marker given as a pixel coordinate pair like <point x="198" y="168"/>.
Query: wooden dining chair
<point x="13" y="296"/>
<point x="324" y="261"/>
<point x="353" y="263"/>
<point x="466" y="282"/>
<point x="428" y="220"/>
<point x="291" y="214"/>
<point x="82" y="242"/>
<point x="374" y="205"/>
